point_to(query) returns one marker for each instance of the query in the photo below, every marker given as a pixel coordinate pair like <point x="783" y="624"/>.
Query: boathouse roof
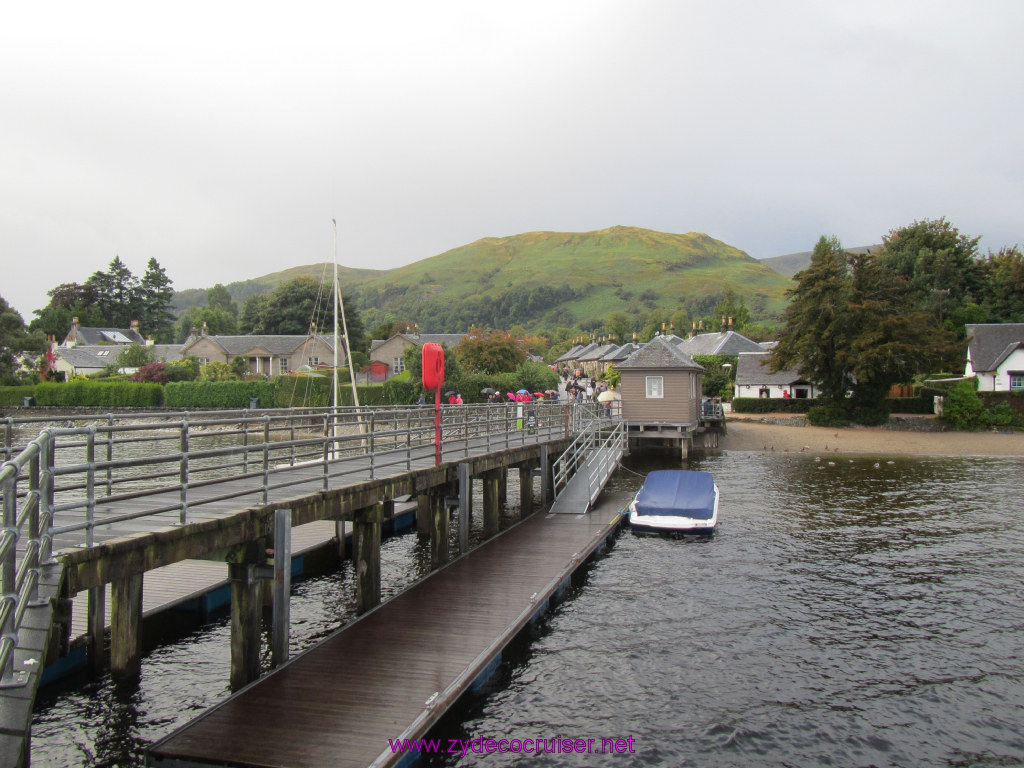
<point x="989" y="344"/>
<point x="659" y="352"/>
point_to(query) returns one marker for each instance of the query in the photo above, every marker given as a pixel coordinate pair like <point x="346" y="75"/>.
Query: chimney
<point x="135" y="326"/>
<point x="730" y="323"/>
<point x="206" y="329"/>
<point x="693" y="331"/>
<point x="700" y="326"/>
<point x="149" y="341"/>
<point x="724" y="326"/>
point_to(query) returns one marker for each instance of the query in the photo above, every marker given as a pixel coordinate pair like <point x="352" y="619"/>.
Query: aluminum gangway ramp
<point x="582" y="471"/>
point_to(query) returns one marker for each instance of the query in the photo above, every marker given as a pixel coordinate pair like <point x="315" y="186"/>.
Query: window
<point x="284" y="364"/>
<point x="656" y="386"/>
<point x="398" y="364"/>
<point x="314" y="362"/>
<point x="1016" y="380"/>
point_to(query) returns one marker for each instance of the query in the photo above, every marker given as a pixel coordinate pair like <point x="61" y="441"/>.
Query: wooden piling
<point x="525" y="491"/>
<point x="246" y="606"/>
<point x="439" y="525"/>
<point x="366" y="553"/>
<point x="423" y="515"/>
<point x="126" y="626"/>
<point x="492" y="502"/>
<point x="97" y="628"/>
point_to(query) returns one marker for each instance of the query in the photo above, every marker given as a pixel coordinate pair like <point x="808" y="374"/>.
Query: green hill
<point x="549" y="279"/>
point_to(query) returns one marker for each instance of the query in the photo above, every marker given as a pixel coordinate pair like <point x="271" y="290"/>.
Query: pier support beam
<point x="503" y="486"/>
<point x="281" y="626"/>
<point x="465" y="506"/>
<point x="366" y="554"/>
<point x="492" y="502"/>
<point x="126" y="626"/>
<point x="525" y="492"/>
<point x="439" y="525"/>
<point x="339" y="531"/>
<point x="96" y="618"/>
<point x="684" y="447"/>
<point x="546" y="484"/>
<point x="246" y="607"/>
<point x="423" y="515"/>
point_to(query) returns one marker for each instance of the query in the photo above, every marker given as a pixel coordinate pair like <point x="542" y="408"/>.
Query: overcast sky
<point x="221" y="138"/>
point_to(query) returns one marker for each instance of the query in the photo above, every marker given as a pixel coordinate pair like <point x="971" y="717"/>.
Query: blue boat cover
<point x="677" y="492"/>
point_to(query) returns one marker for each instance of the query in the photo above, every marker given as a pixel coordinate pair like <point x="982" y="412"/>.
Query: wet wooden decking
<point x="395" y="671"/>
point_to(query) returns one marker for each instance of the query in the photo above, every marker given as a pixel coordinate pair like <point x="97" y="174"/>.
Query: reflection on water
<point x="844" y="614"/>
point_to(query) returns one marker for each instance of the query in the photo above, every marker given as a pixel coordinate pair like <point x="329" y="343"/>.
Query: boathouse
<point x="661" y="393"/>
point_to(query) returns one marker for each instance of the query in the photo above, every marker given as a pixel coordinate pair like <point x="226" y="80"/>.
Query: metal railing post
<point x="32" y="501"/>
<point x="372" y="445"/>
<point x="46" y="493"/>
<point x="8" y="585"/>
<point x="90" y="487"/>
<point x="110" y="453"/>
<point x="183" y="515"/>
<point x="266" y="458"/>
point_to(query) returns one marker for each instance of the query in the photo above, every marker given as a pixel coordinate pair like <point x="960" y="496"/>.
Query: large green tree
<point x="817" y="322"/>
<point x="67" y="301"/>
<point x="1003" y="290"/>
<point x="490" y="352"/>
<point x="852" y="327"/>
<point x="118" y="294"/>
<point x="298" y="305"/>
<point x="156" y="294"/>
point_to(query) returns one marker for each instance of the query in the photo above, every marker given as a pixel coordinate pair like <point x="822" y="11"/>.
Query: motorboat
<point x="676" y="501"/>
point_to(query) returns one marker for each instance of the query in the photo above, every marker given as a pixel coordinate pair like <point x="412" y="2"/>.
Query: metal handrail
<point x="74" y="472"/>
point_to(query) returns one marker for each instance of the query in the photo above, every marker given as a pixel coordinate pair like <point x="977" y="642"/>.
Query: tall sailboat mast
<point x="339" y="302"/>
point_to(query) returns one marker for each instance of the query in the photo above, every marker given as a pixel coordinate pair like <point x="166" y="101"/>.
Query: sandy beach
<point x="750" y="433"/>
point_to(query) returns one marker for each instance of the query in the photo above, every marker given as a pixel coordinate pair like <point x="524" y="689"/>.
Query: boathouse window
<point x="656" y="386"/>
<point x="1016" y="380"/>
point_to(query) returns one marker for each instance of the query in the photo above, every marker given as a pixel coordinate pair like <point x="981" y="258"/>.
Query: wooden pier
<point x="394" y="672"/>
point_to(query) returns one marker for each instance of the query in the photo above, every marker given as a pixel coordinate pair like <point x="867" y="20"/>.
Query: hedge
<point x="772" y="404"/>
<point x="92" y="394"/>
<point x="315" y="392"/>
<point x="15" y="395"/>
<point x="218" y="394"/>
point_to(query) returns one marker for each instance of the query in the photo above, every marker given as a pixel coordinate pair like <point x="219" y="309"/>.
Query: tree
<point x="939" y="264"/>
<point x="134" y="356"/>
<point x="67" y="301"/>
<point x="816" y="323"/>
<point x="255" y="315"/>
<point x="619" y="326"/>
<point x="732" y="306"/>
<point x="218" y="323"/>
<point x="156" y="295"/>
<point x="489" y="352"/>
<point x="1003" y="286"/>
<point x="239" y="366"/>
<point x="851" y="327"/>
<point x="117" y="294"/>
<point x="218" y="297"/>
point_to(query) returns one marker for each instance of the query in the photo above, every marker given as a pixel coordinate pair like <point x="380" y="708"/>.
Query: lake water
<point x="844" y="614"/>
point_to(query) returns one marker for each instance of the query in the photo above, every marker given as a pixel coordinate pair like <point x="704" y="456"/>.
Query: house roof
<point x="659" y="352"/>
<point x="95" y="357"/>
<point x="598" y="351"/>
<point x="273" y="345"/>
<point x="620" y="353"/>
<point x="94" y="336"/>
<point x="570" y="354"/>
<point x="752" y="370"/>
<point x="989" y="344"/>
<point x="448" y="340"/>
<point x="723" y="343"/>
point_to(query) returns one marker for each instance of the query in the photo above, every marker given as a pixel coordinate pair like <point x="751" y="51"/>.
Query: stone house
<point x="391" y="351"/>
<point x="267" y="355"/>
<point x="87" y="336"/>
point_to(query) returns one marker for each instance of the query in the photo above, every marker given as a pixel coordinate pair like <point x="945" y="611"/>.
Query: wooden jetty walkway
<point x="395" y="671"/>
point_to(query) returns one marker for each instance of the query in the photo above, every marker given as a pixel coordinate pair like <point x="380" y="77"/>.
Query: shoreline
<point x="755" y="434"/>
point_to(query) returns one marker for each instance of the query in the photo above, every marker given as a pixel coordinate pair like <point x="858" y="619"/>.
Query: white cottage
<point x="995" y="354"/>
<point x="755" y="379"/>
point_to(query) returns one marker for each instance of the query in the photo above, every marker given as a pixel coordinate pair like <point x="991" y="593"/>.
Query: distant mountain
<point x="550" y="279"/>
<point x="791" y="263"/>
